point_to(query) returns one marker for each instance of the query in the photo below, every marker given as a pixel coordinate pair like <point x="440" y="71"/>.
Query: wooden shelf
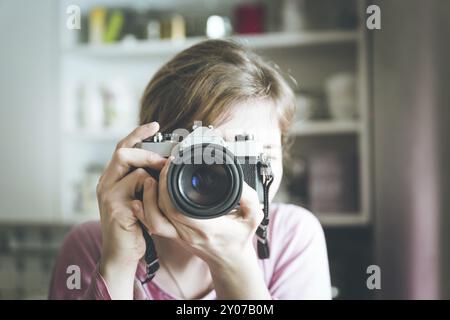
<point x="337" y="219"/>
<point x="281" y="40"/>
<point x="340" y="219"/>
<point x="171" y="47"/>
<point x="327" y="127"/>
<point x="43" y="222"/>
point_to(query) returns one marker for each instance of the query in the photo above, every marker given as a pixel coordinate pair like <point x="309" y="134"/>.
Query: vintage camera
<point x="205" y="178"/>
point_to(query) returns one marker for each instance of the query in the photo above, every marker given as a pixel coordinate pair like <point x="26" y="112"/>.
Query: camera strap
<point x="151" y="258"/>
<point x="261" y="232"/>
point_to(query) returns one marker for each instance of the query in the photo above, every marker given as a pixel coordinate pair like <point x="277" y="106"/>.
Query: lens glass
<point x="205" y="185"/>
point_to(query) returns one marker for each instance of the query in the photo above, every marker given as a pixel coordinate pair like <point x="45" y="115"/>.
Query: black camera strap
<point x="151" y="258"/>
<point x="261" y="232"/>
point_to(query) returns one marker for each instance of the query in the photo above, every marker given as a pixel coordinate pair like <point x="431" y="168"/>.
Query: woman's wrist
<point x="110" y="265"/>
<point x="227" y="259"/>
<point x="119" y="277"/>
<point x="237" y="275"/>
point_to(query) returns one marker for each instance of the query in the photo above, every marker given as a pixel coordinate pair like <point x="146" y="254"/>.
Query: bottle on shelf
<point x="293" y="15"/>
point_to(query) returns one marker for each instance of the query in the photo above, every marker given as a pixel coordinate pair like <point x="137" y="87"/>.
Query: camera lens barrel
<point x="205" y="188"/>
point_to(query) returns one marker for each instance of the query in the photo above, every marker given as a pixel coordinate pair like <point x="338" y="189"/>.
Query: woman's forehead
<point x="258" y="119"/>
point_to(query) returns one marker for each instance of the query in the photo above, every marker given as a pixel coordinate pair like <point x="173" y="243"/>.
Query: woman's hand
<point x="224" y="243"/>
<point x="122" y="240"/>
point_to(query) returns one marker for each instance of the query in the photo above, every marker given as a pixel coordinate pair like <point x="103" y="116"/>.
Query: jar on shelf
<point x="97" y="24"/>
<point x="120" y="107"/>
<point x="249" y="18"/>
<point x="341" y="90"/>
<point x="173" y="27"/>
<point x="218" y="27"/>
<point x="310" y="105"/>
<point x="293" y="15"/>
<point x="153" y="29"/>
<point x="90" y="106"/>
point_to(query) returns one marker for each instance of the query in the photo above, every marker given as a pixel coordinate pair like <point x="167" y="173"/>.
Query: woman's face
<point x="260" y="119"/>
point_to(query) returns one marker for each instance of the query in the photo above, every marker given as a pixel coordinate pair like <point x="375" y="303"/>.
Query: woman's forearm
<point x="239" y="277"/>
<point x="119" y="279"/>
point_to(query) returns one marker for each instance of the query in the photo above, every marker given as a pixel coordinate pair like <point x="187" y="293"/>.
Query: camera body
<point x="205" y="178"/>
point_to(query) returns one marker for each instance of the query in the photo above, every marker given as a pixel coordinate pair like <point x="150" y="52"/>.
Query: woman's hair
<point x="205" y="81"/>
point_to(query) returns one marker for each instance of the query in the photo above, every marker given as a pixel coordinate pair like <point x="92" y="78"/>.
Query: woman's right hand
<point x="123" y="244"/>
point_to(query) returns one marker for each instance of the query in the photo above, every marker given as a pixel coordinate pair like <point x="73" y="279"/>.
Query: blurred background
<point x="370" y="148"/>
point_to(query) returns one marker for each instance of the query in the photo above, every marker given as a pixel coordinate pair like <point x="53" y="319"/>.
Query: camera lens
<point x="195" y="182"/>
<point x="206" y="178"/>
<point x="208" y="183"/>
<point x="205" y="190"/>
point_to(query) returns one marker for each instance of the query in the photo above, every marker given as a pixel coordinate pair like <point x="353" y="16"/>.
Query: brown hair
<point x="204" y="81"/>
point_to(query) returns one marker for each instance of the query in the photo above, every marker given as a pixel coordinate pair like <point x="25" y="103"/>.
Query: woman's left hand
<point x="224" y="243"/>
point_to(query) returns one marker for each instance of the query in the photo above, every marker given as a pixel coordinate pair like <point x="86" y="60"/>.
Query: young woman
<point x="222" y="84"/>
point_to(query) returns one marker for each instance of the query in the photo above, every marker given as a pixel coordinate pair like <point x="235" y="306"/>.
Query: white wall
<point x="28" y="107"/>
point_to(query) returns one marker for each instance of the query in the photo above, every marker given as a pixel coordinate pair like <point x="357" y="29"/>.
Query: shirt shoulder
<point x="298" y="263"/>
<point x="79" y="253"/>
<point x="86" y="237"/>
<point x="289" y="219"/>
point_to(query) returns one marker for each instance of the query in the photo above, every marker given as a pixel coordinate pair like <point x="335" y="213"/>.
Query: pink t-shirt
<point x="297" y="267"/>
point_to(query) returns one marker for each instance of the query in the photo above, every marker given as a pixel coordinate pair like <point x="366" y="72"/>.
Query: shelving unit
<point x="309" y="56"/>
<point x="275" y="40"/>
<point x="327" y="127"/>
